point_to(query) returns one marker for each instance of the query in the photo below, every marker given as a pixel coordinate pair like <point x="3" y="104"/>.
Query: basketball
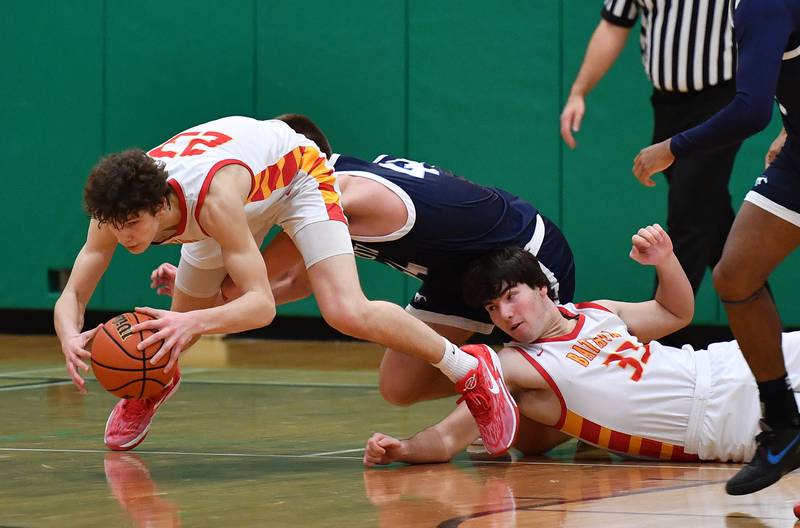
<point x="120" y="367"/>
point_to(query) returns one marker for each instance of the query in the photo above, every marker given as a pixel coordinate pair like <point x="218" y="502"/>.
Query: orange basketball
<point x="120" y="367"/>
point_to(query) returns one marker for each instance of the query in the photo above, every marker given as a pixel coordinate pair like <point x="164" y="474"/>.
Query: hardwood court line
<point x="177" y="453"/>
<point x="23" y="373"/>
<point x="47" y="382"/>
<point x="35" y="385"/>
<point x="19" y="373"/>
<point x="323" y="455"/>
<point x="64" y="381"/>
<point x="357" y="450"/>
<point x="321" y="385"/>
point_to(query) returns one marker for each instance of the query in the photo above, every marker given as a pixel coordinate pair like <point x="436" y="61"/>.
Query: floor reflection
<point x="129" y="479"/>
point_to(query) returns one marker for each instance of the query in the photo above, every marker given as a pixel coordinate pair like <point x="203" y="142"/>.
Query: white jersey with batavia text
<point x="650" y="400"/>
<point x="291" y="182"/>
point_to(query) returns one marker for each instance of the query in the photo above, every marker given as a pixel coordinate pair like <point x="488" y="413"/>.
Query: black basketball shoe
<point x="777" y="453"/>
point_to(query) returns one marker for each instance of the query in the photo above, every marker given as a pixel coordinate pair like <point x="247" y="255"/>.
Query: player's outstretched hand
<point x="651" y="245"/>
<point x="163" y="279"/>
<point x="571" y="118"/>
<point x="76" y="356"/>
<point x="176" y="329"/>
<point x="381" y="450"/>
<point x="652" y="160"/>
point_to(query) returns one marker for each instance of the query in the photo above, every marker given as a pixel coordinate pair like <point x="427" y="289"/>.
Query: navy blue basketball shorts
<point x="777" y="190"/>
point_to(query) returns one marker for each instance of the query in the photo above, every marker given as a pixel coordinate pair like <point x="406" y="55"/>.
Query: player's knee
<point x="731" y="283"/>
<point x="397" y="395"/>
<point x="350" y="317"/>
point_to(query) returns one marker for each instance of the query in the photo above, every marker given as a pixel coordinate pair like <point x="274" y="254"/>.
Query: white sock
<point x="455" y="363"/>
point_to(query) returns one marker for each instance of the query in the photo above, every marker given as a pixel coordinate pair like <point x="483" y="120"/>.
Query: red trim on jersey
<point x="181" y="204"/>
<point x="272" y="176"/>
<point x="592" y="305"/>
<point x="650" y="448"/>
<point x="290" y="167"/>
<point x="683" y="456"/>
<point x="201" y="198"/>
<point x="544" y="374"/>
<point x="570" y="336"/>
<point x="258" y="196"/>
<point x="619" y="442"/>
<point x="326" y="187"/>
<point x="320" y="161"/>
<point x="335" y="213"/>
<point x="590" y="431"/>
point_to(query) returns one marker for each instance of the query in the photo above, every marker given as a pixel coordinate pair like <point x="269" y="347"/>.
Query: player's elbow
<point x="265" y="313"/>
<point x="684" y="319"/>
<point x="682" y="314"/>
<point x="755" y="117"/>
<point x="447" y="446"/>
<point x="269" y="313"/>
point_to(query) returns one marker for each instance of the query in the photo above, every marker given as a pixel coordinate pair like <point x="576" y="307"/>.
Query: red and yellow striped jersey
<point x="275" y="156"/>
<point x="615" y="392"/>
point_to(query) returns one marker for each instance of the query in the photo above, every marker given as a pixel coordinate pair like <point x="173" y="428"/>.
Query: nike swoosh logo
<point x="493" y="387"/>
<point x="774" y="459"/>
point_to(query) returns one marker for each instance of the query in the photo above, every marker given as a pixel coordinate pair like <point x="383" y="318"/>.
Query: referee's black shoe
<point x="777" y="453"/>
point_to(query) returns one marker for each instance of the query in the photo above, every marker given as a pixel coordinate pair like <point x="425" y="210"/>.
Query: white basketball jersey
<point x="271" y="151"/>
<point x="615" y="392"/>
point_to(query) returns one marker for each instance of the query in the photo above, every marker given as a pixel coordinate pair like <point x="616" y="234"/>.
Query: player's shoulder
<point x="603" y="305"/>
<point x="247" y="125"/>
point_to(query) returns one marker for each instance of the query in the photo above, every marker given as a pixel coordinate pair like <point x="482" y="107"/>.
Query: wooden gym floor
<point x="270" y="433"/>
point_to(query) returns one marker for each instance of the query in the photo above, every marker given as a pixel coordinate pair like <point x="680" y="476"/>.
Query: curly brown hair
<point x="122" y="185"/>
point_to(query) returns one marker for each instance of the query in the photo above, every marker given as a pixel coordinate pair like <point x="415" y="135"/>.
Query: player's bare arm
<point x="223" y="218"/>
<point x="90" y="264"/>
<point x="604" y="47"/>
<point x="673" y="305"/>
<point x="438" y="443"/>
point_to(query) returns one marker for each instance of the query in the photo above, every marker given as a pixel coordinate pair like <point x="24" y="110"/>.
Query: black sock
<point x="777" y="399"/>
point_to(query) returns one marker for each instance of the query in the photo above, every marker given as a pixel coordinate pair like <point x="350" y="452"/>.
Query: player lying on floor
<point x="585" y="369"/>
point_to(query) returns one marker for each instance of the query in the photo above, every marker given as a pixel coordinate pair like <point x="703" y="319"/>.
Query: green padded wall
<point x="477" y="89"/>
<point x="51" y="111"/>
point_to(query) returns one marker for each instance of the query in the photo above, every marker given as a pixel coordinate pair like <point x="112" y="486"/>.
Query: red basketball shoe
<point x="489" y="401"/>
<point x="129" y="421"/>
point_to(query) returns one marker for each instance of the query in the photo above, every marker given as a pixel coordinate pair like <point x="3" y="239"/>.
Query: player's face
<point x="520" y="311"/>
<point x="137" y="233"/>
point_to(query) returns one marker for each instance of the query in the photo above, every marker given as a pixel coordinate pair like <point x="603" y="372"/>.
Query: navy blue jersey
<point x="455" y="219"/>
<point x="450" y="222"/>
